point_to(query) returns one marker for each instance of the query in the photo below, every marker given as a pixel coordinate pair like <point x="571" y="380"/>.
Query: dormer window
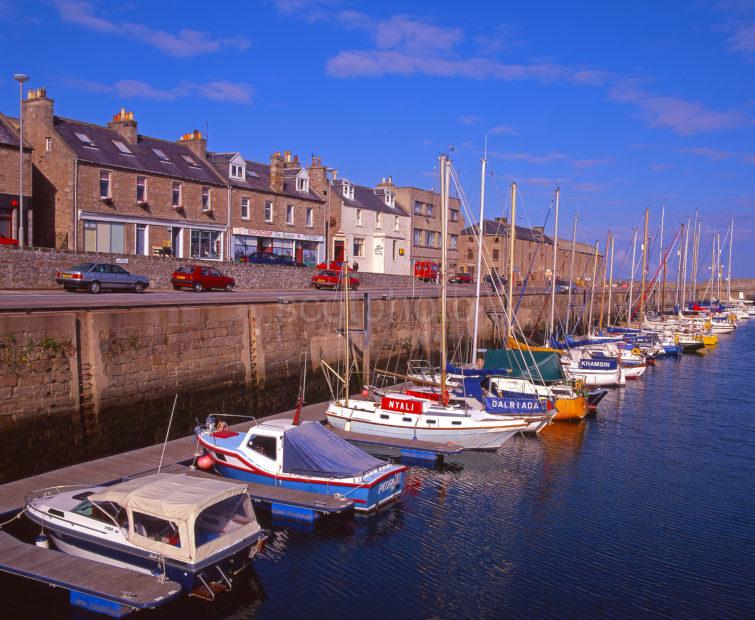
<point x="348" y="190"/>
<point x="390" y="199"/>
<point x="302" y="184"/>
<point x="121" y="146"/>
<point x="238" y="172"/>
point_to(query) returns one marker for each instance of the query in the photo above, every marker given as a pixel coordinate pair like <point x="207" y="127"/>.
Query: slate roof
<point x="9" y="132"/>
<point x="494" y="228"/>
<point x="103" y="151"/>
<point x="367" y="198"/>
<point x="258" y="177"/>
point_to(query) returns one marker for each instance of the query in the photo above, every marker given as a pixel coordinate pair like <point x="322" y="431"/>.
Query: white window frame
<point x="362" y="253"/>
<point x="310" y="217"/>
<point x="109" y="183"/>
<point x="237" y="171"/>
<point x="146" y="195"/>
<point x="290" y="215"/>
<point x="48" y="144"/>
<point x="173" y="193"/>
<point x="396" y="223"/>
<point x="390" y="198"/>
<point x="378" y="220"/>
<point x="302" y="185"/>
<point x="245" y="206"/>
<point x="348" y="190"/>
<point x="359" y="217"/>
<point x="206" y="207"/>
<point x="269" y="203"/>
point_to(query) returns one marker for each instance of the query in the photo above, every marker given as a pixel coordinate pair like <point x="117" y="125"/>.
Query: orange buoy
<point x="365" y="392"/>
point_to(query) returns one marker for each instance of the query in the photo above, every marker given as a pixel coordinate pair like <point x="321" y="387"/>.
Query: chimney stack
<point x="277" y="165"/>
<point x="318" y="176"/>
<point x="38" y="110"/>
<point x="386" y="183"/>
<point x="123" y="122"/>
<point x="196" y="142"/>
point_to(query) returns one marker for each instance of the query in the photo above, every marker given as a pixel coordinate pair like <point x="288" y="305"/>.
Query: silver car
<point x="94" y="277"/>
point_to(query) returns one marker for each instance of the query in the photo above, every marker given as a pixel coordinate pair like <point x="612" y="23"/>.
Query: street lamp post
<point x="21" y="78"/>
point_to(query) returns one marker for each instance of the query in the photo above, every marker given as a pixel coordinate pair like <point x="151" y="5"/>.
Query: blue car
<point x="94" y="277"/>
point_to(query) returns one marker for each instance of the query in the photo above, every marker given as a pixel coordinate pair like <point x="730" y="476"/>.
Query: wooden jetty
<point x="93" y="585"/>
<point x="117" y="591"/>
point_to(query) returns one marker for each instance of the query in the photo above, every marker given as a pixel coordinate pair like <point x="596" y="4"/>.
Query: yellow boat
<point x="523" y="346"/>
<point x="570" y="408"/>
<point x="710" y="340"/>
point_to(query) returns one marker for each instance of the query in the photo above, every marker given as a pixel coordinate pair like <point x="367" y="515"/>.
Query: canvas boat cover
<point x="534" y="365"/>
<point x="312" y="449"/>
<point x="181" y="499"/>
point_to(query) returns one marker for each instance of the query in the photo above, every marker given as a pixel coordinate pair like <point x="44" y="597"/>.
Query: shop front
<point x="303" y="248"/>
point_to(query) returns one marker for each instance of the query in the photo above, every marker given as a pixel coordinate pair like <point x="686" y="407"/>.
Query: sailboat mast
<point x="610" y="284"/>
<point x="480" y="231"/>
<point x="512" y="241"/>
<point x="631" y="275"/>
<point x="347" y="370"/>
<point x="695" y="255"/>
<point x="728" y="276"/>
<point x="603" y="284"/>
<point x="571" y="271"/>
<point x="678" y="298"/>
<point x="659" y="301"/>
<point x="712" y="266"/>
<point x="718" y="265"/>
<point x="592" y="287"/>
<point x="553" y="269"/>
<point x="684" y="265"/>
<point x="644" y="268"/>
<point x="444" y="169"/>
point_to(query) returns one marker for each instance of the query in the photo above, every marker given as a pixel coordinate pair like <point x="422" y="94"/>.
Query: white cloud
<point x="184" y="43"/>
<point x="468" y="120"/>
<point x="214" y="90"/>
<point x="503" y="130"/>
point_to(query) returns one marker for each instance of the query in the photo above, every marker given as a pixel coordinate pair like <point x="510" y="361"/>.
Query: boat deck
<point x="117" y="585"/>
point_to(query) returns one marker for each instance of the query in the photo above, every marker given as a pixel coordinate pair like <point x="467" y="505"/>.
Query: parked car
<point x="460" y="278"/>
<point x="94" y="277"/>
<point x="8" y="240"/>
<point x="201" y="278"/>
<point x="495" y="279"/>
<point x="269" y="258"/>
<point x="329" y="278"/>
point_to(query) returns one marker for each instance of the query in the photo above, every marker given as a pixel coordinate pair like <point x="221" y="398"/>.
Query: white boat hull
<point x="487" y="434"/>
<point x="70" y="549"/>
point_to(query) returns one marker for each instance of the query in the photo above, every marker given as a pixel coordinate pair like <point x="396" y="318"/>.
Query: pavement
<point x="54" y="300"/>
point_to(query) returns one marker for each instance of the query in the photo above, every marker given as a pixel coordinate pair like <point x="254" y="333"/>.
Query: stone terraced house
<point x="9" y="182"/>
<point x="533" y="253"/>
<point x="365" y="223"/>
<point x="110" y="189"/>
<point x="272" y="207"/>
<point x="424" y="207"/>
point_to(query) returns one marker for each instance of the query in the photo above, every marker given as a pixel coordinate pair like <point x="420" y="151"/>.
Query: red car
<point x="8" y="241"/>
<point x="460" y="278"/>
<point x="334" y="265"/>
<point x="201" y="279"/>
<point x="328" y="278"/>
<point x="426" y="270"/>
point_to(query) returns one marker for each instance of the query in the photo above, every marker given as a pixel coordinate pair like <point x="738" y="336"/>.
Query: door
<point x="298" y="252"/>
<point x="175" y="242"/>
<point x="338" y="251"/>
<point x="141" y="239"/>
<point x="216" y="278"/>
<point x="120" y="277"/>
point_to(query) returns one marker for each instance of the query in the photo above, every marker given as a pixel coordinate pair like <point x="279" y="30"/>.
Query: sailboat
<point x="407" y="416"/>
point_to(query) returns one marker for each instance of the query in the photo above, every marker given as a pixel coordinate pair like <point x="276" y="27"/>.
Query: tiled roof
<point x="179" y="162"/>
<point x="9" y="131"/>
<point x="366" y="198"/>
<point x="258" y="176"/>
<point x="496" y="227"/>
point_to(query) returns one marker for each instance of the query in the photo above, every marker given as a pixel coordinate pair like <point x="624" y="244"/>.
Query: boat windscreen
<point x="225" y="517"/>
<point x="312" y="449"/>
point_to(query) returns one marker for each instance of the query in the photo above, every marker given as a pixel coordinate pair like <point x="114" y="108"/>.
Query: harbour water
<point x="646" y="509"/>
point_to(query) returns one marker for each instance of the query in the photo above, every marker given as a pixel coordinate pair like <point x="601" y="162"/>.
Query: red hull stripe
<point x="262" y="472"/>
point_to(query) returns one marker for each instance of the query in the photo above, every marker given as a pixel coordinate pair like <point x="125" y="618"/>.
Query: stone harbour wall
<point x="76" y="385"/>
<point x="34" y="268"/>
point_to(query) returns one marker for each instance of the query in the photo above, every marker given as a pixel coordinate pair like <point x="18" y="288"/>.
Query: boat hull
<point x="366" y="498"/>
<point x="570" y="409"/>
<point x="489" y="437"/>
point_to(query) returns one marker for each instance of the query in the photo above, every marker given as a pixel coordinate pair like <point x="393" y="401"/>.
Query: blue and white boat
<point x="199" y="532"/>
<point x="305" y="457"/>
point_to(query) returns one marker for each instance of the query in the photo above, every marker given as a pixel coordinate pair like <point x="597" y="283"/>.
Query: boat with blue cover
<point x="304" y="457"/>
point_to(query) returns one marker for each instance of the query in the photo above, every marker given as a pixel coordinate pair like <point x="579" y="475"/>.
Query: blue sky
<point x="623" y="106"/>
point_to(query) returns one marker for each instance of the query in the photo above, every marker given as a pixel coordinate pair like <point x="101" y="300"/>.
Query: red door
<point x="338" y="250"/>
<point x="299" y="253"/>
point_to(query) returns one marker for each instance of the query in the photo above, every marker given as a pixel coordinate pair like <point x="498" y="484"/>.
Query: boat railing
<point x="52" y="491"/>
